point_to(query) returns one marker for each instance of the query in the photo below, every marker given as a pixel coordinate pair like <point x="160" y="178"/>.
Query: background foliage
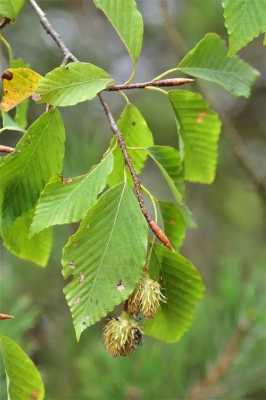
<point x="228" y="244"/>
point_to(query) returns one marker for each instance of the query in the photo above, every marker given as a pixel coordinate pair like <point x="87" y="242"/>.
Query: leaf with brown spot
<point x="18" y="85"/>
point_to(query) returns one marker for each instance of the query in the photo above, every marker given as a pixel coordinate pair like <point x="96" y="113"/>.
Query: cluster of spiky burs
<point x="122" y="335"/>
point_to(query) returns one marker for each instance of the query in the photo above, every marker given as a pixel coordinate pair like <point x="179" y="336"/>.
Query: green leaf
<point x="209" y="60"/>
<point x="67" y="201"/>
<point x="38" y="157"/>
<point x="11" y="8"/>
<point x="127" y="21"/>
<point x="17" y="240"/>
<point x="183" y="288"/>
<point x="21" y="116"/>
<point x="137" y="136"/>
<point x="73" y="83"/>
<point x="106" y="257"/>
<point x="244" y="20"/>
<point x="170" y="164"/>
<point x="199" y="129"/>
<point x="9" y="124"/>
<point x="174" y="224"/>
<point x="24" y="381"/>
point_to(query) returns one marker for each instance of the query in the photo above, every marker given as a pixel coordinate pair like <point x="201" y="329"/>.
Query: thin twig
<point x="159" y="83"/>
<point x="5" y="21"/>
<point x="68" y="56"/>
<point x="4" y="317"/>
<point x="137" y="184"/>
<point x="6" y="149"/>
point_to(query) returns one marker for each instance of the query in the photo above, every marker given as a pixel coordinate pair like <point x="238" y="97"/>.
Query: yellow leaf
<point x="18" y="85"/>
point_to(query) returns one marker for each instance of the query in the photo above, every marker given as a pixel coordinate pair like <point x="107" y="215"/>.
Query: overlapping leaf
<point x="199" y="128"/>
<point x="183" y="289"/>
<point x="38" y="156"/>
<point x="106" y="257"/>
<point x="11" y="8"/>
<point x="137" y="136"/>
<point x="24" y="381"/>
<point x="174" y="224"/>
<point x="18" y="241"/>
<point x="67" y="201"/>
<point x="127" y="21"/>
<point x="209" y="61"/>
<point x="18" y="85"/>
<point x="8" y="124"/>
<point x="73" y="83"/>
<point x="170" y="164"/>
<point x="244" y="20"/>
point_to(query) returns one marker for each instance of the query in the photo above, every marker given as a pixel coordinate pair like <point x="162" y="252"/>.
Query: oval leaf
<point x="183" y="288"/>
<point x="72" y="84"/>
<point x="67" y="201"/>
<point x="209" y="60"/>
<point x="199" y="128"/>
<point x="106" y="257"/>
<point x="127" y="21"/>
<point x="38" y="157"/>
<point x="24" y="381"/>
<point x="137" y="136"/>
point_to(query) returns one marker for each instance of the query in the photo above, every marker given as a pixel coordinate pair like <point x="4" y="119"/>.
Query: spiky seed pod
<point x="146" y="298"/>
<point x="121" y="336"/>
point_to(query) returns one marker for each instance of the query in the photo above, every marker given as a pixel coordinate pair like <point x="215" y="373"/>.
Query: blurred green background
<point x="223" y="356"/>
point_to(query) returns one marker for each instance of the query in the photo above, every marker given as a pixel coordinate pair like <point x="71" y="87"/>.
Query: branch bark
<point x="158" y="83"/>
<point x="69" y="56"/>
<point x="6" y="149"/>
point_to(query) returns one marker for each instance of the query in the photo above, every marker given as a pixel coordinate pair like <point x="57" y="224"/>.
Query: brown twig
<point x="158" y="83"/>
<point x="4" y="317"/>
<point x="6" y="149"/>
<point x="208" y="385"/>
<point x="68" y="56"/>
<point x="4" y="21"/>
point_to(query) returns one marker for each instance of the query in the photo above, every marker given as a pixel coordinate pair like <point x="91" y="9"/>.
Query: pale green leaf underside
<point x="38" y="157"/>
<point x="24" y="381"/>
<point x="174" y="224"/>
<point x="17" y="240"/>
<point x="209" y="60"/>
<point x="68" y="201"/>
<point x="11" y="8"/>
<point x="199" y="129"/>
<point x="73" y="83"/>
<point x="244" y="20"/>
<point x="137" y="136"/>
<point x="127" y="21"/>
<point x="107" y="252"/>
<point x="8" y="124"/>
<point x="182" y="285"/>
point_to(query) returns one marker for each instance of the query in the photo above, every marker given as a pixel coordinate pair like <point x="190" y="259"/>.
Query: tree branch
<point x="4" y="317"/>
<point x="4" y="21"/>
<point x="158" y="83"/>
<point x="6" y="149"/>
<point x="68" y="56"/>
